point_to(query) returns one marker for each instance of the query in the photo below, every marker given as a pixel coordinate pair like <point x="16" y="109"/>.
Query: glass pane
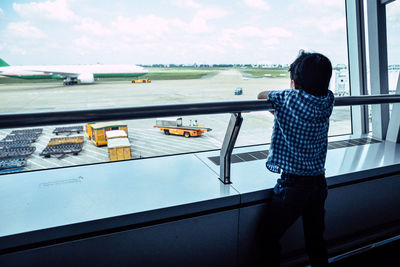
<point x="393" y="40"/>
<point x="318" y="26"/>
<point x="132" y="53"/>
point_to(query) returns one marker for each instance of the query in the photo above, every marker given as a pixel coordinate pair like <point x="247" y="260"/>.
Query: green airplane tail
<point x="3" y="63"/>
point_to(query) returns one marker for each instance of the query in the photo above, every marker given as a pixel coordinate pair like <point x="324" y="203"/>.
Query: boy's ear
<point x="292" y="84"/>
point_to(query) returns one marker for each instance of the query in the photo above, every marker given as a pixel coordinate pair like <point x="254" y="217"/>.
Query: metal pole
<point x="229" y="142"/>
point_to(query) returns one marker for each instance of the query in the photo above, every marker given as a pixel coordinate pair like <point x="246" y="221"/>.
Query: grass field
<point x="270" y="72"/>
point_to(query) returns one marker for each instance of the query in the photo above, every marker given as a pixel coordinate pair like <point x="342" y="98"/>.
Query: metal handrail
<point x="234" y="107"/>
<point x="144" y="112"/>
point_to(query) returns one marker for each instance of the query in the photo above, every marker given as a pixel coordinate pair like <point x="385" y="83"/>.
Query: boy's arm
<point x="264" y="95"/>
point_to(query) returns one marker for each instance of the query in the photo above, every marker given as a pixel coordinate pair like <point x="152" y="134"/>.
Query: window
<point x="184" y="51"/>
<point x="313" y="26"/>
<point x="393" y="39"/>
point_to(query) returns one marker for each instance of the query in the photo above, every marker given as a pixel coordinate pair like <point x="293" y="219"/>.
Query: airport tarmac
<point x="145" y="140"/>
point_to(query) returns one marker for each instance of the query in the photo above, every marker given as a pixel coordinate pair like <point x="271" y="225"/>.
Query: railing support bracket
<point x="229" y="142"/>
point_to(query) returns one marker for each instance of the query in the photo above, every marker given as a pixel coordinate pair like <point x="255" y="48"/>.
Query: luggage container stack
<point x="16" y="147"/>
<point x="118" y="145"/>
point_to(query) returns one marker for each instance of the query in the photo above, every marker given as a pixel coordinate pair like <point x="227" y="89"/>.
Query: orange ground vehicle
<point x="175" y="126"/>
<point x="141" y="81"/>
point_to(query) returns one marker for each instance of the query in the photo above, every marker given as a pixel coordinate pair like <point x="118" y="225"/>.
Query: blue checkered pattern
<point x="300" y="137"/>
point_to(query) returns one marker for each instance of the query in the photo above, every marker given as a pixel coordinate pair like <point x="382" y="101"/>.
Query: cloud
<point x="17" y="51"/>
<point x="152" y="25"/>
<point x="199" y="23"/>
<point x="255" y="32"/>
<point x="330" y="3"/>
<point x="24" y="30"/>
<point x="327" y="24"/>
<point x="278" y="32"/>
<point x="211" y="13"/>
<point x="150" y="33"/>
<point x="250" y="31"/>
<point x="259" y="4"/>
<point x="254" y="38"/>
<point x="175" y="31"/>
<point x="147" y="27"/>
<point x="212" y="48"/>
<point x="186" y="3"/>
<point x="1" y="13"/>
<point x="91" y="26"/>
<point x="84" y="42"/>
<point x="57" y="10"/>
<point x="271" y="41"/>
<point x="236" y="45"/>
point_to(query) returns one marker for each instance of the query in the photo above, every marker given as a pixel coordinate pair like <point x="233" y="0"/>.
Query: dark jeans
<point x="296" y="196"/>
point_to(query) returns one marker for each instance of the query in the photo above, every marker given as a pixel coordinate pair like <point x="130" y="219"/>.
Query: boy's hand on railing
<point x="264" y="95"/>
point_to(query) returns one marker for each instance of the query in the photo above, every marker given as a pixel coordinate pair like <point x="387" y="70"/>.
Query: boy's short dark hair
<point x="311" y="72"/>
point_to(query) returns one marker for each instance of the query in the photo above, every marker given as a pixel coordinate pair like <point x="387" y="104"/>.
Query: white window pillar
<point x="378" y="63"/>
<point x="357" y="63"/>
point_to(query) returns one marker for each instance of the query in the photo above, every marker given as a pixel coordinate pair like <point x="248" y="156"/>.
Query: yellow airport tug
<point x="176" y="127"/>
<point x="141" y="81"/>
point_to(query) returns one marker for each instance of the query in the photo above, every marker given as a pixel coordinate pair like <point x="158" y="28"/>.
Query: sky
<point x="171" y="31"/>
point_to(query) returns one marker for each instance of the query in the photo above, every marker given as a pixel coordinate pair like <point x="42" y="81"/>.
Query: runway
<point x="145" y="140"/>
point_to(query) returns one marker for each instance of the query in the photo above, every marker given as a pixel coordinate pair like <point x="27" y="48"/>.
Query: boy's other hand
<point x="263" y="95"/>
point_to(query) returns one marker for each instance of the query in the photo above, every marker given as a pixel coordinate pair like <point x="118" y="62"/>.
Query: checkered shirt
<point x="299" y="139"/>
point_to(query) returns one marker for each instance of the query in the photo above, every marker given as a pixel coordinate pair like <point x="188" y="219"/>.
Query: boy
<point x="298" y="149"/>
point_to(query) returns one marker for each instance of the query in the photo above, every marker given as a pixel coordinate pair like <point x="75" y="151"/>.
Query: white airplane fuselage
<point x="72" y="74"/>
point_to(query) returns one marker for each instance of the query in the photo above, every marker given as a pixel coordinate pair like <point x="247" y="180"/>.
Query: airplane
<point x="71" y="74"/>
